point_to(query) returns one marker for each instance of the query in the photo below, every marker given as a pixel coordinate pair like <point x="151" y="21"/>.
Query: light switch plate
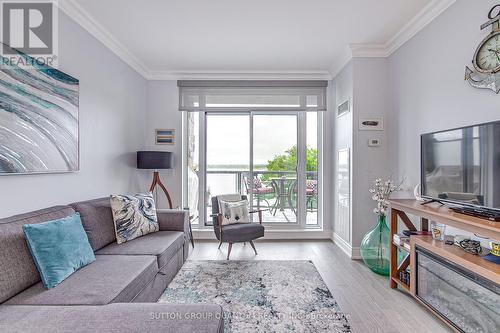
<point x="374" y="143"/>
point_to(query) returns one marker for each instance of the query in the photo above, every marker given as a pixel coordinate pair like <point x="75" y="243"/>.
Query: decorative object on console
<point x="449" y="239"/>
<point x="417" y="193"/>
<point x="486" y="59"/>
<point x="437" y="230"/>
<point x="165" y="136"/>
<point x="38" y="119"/>
<point x="375" y="244"/>
<point x="134" y="216"/>
<point x="59" y="248"/>
<point x="494" y="255"/>
<point x="371" y="124"/>
<point x="156" y="160"/>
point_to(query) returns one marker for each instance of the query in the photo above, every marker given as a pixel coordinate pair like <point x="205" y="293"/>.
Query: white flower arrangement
<point x="381" y="194"/>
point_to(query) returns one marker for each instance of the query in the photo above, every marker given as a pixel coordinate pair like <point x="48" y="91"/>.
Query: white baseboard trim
<point x="342" y="244"/>
<point x="273" y="234"/>
<point x="356" y="254"/>
<point x="352" y="252"/>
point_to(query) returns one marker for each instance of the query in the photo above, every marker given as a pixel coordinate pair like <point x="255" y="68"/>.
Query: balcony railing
<point x="275" y="190"/>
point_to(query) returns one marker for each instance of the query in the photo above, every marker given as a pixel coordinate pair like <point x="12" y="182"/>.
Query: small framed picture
<point x="371" y="124"/>
<point x="165" y="136"/>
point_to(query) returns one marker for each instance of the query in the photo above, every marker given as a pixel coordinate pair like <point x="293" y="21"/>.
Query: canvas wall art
<point x="38" y="119"/>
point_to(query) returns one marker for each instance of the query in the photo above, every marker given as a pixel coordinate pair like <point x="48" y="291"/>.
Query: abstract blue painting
<point x="38" y="119"/>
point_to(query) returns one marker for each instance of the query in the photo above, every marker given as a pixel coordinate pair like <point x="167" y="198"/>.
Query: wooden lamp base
<point x="157" y="181"/>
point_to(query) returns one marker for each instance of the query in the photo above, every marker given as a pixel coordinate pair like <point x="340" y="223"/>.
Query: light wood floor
<point x="366" y="299"/>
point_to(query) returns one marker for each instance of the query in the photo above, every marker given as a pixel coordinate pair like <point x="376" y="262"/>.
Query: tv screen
<point x="462" y="165"/>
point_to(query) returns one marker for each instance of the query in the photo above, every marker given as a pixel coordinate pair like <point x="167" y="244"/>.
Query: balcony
<point x="273" y="191"/>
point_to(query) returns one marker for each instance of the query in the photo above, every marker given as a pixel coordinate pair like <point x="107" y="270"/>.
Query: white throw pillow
<point x="134" y="216"/>
<point x="234" y="212"/>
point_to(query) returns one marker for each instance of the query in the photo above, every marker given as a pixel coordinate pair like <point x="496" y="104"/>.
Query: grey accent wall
<point x="163" y="113"/>
<point x="112" y="111"/>
<point x="428" y="87"/>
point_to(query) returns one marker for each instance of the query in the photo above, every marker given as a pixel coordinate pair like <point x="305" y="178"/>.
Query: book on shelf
<point x="399" y="239"/>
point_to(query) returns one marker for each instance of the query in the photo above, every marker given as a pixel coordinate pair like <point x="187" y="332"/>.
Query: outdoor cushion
<point x="97" y="221"/>
<point x="131" y="317"/>
<point x="242" y="232"/>
<point x="109" y="279"/>
<point x="162" y="244"/>
<point x="17" y="269"/>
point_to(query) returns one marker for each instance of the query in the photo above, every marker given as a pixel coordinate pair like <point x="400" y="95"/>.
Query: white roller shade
<point x="252" y="95"/>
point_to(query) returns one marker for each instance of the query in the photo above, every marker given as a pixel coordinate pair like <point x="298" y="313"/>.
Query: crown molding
<point x="85" y="19"/>
<point x="407" y="32"/>
<point x="240" y="75"/>
<point x="416" y="24"/>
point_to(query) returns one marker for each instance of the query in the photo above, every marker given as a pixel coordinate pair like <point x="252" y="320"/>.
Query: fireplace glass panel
<point x="468" y="301"/>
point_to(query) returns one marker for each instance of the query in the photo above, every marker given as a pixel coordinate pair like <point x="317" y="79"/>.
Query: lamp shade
<point x="154" y="160"/>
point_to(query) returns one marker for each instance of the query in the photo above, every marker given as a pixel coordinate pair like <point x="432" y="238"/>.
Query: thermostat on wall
<point x="373" y="143"/>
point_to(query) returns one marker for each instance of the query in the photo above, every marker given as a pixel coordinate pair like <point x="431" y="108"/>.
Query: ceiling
<point x="176" y="38"/>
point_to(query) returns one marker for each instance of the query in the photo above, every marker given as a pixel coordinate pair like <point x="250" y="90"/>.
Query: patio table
<point x="283" y="186"/>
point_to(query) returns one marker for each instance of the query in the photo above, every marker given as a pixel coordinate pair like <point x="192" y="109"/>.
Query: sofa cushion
<point x="97" y="220"/>
<point x="59" y="248"/>
<point x="242" y="232"/>
<point x="162" y="244"/>
<point x="132" y="317"/>
<point x="109" y="279"/>
<point x="17" y="269"/>
<point x="134" y="216"/>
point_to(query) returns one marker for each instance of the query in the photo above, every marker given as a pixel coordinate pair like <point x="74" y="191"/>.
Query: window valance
<point x="252" y="95"/>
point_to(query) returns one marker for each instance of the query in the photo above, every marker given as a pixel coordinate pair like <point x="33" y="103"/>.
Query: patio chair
<point x="311" y="192"/>
<point x="259" y="190"/>
<point x="235" y="233"/>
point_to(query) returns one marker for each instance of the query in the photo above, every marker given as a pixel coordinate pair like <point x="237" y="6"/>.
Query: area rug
<point x="260" y="296"/>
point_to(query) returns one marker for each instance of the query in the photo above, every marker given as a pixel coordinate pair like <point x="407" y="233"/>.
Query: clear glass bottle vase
<point x="375" y="248"/>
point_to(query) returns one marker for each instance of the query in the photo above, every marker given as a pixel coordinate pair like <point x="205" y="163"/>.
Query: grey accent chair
<point x="235" y="233"/>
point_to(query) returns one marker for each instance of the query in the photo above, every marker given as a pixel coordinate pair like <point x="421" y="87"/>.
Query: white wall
<point x="429" y="91"/>
<point x="112" y="110"/>
<point x="163" y="113"/>
<point x="365" y="81"/>
<point x="343" y="85"/>
<point x="371" y="98"/>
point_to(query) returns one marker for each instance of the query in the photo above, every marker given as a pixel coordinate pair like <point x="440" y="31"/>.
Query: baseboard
<point x="273" y="234"/>
<point x="342" y="244"/>
<point x="356" y="253"/>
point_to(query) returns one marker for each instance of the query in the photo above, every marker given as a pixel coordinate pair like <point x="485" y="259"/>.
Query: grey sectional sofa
<point x="116" y="293"/>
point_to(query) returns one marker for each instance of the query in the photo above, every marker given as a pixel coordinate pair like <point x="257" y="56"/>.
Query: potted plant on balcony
<point x="375" y="244"/>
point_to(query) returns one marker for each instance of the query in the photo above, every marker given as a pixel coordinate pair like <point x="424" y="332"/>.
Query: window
<point x="262" y="143"/>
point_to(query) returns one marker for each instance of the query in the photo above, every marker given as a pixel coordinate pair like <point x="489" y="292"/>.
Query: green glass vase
<point x="375" y="249"/>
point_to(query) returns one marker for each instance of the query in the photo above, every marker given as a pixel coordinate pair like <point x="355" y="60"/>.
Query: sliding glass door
<point x="275" y="166"/>
<point x="271" y="157"/>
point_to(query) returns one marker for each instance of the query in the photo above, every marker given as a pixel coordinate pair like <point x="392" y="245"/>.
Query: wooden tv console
<point x="401" y="208"/>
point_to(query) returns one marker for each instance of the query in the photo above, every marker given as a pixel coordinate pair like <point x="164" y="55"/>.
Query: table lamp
<point x="156" y="160"/>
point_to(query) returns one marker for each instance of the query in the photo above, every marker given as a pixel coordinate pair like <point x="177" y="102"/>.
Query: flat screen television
<point x="462" y="166"/>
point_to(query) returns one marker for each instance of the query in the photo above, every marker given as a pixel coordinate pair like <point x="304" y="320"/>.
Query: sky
<point x="228" y="137"/>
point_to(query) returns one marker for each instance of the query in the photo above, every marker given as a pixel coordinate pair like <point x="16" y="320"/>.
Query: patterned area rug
<point x="260" y="296"/>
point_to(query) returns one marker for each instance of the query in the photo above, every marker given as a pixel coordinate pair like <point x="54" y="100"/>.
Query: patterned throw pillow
<point x="134" y="216"/>
<point x="234" y="212"/>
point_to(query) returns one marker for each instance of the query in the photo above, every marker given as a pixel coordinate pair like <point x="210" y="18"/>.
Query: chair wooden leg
<point x="253" y="246"/>
<point x="220" y="244"/>
<point x="229" y="250"/>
